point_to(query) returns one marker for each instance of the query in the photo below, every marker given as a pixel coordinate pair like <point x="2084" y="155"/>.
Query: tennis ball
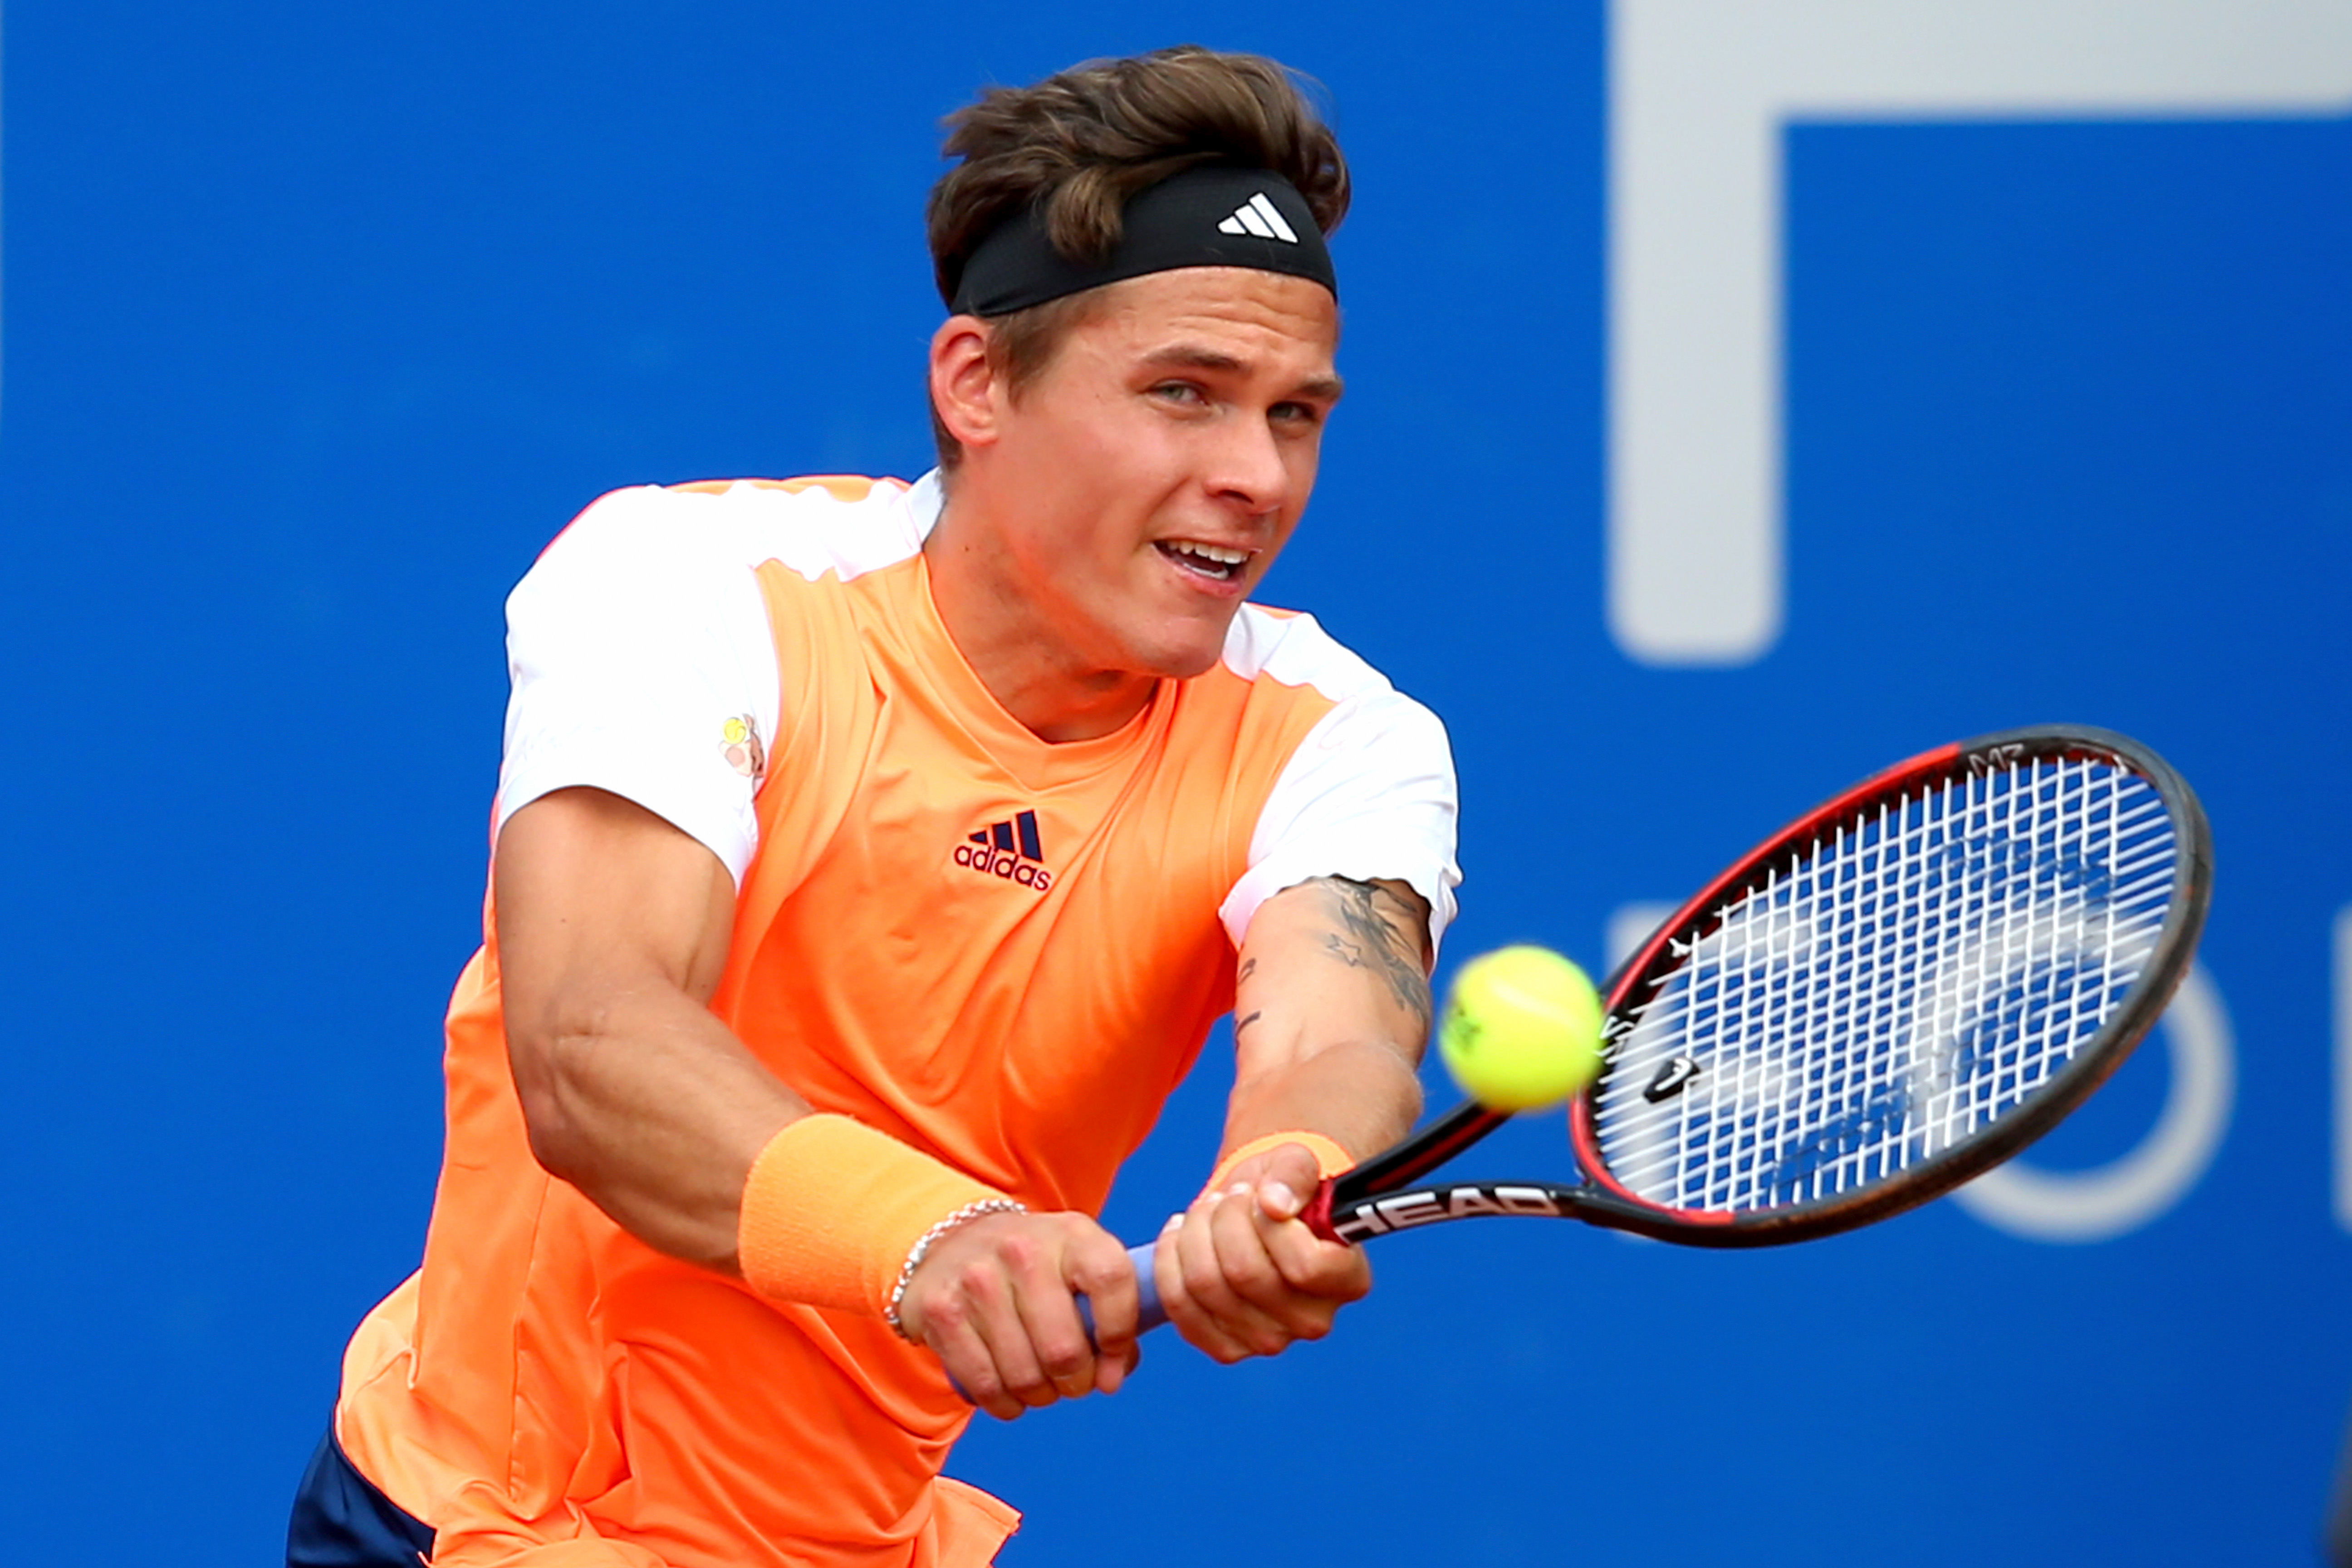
<point x="1521" y="1029"/>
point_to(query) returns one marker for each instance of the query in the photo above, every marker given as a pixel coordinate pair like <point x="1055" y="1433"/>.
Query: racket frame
<point x="1383" y="1193"/>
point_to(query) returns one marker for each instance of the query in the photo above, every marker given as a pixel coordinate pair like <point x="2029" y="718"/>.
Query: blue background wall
<point x="319" y="320"/>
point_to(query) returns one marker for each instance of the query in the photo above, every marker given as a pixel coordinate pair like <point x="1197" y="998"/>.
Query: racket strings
<point x="1884" y="992"/>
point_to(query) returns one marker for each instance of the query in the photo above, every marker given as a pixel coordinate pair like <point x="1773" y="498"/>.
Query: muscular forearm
<point x="1331" y="1015"/>
<point x="649" y="1106"/>
<point x="613" y="930"/>
<point x="1364" y="1096"/>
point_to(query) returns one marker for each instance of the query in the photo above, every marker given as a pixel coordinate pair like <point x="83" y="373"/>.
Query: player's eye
<point x="1178" y="392"/>
<point x="1303" y="415"/>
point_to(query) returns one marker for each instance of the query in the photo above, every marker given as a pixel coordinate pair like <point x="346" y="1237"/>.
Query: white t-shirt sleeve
<point x="642" y="664"/>
<point x="1369" y="793"/>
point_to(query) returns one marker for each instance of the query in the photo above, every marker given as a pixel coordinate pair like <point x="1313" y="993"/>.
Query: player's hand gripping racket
<point x="1893" y="993"/>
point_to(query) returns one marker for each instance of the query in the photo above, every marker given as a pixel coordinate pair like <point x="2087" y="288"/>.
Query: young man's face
<point x="1160" y="462"/>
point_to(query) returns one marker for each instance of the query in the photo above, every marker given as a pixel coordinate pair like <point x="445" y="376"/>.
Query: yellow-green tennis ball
<point x="1521" y="1029"/>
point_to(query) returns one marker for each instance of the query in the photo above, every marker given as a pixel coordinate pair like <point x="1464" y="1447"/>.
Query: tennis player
<point x="872" y="859"/>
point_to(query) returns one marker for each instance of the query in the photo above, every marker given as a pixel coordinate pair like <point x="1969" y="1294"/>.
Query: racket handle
<point x="1149" y="1313"/>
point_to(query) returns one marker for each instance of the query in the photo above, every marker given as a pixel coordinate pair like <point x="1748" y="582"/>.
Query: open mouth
<point x="1214" y="562"/>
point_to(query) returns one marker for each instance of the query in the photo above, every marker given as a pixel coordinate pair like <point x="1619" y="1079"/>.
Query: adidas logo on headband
<point x="1257" y="215"/>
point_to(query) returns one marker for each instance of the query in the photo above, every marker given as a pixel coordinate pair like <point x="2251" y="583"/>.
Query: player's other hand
<point x="1240" y="1274"/>
<point x="995" y="1300"/>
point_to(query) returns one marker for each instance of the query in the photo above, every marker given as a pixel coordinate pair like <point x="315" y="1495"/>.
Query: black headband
<point x="1207" y="216"/>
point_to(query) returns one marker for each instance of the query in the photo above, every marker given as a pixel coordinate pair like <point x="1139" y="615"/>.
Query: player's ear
<point x="965" y="388"/>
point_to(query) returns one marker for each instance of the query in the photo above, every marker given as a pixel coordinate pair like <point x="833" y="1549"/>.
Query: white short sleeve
<point x="1369" y="793"/>
<point x="642" y="664"/>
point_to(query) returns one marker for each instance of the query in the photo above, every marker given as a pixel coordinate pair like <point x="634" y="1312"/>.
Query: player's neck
<point x="1025" y="661"/>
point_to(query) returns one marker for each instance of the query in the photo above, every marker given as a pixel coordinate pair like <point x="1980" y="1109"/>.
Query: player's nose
<point x="1247" y="467"/>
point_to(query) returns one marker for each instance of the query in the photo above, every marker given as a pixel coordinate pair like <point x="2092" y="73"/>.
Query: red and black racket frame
<point x="1379" y="1196"/>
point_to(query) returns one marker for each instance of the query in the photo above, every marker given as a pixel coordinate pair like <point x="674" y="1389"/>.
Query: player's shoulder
<point x="1275" y="650"/>
<point x="1294" y="676"/>
<point x="841" y="524"/>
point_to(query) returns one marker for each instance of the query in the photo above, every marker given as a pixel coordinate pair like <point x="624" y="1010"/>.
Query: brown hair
<point x="1083" y="142"/>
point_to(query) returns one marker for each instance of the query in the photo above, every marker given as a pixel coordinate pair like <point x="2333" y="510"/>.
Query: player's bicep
<point x="595" y="899"/>
<point x="1332" y="961"/>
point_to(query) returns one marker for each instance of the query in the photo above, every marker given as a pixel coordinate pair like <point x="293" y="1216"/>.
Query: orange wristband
<point x="1330" y="1157"/>
<point x="833" y="1208"/>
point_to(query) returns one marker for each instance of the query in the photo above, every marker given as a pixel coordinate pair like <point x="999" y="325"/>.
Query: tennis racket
<point x="1896" y="991"/>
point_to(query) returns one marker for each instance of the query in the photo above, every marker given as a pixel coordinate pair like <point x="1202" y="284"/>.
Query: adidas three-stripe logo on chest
<point x="1011" y="849"/>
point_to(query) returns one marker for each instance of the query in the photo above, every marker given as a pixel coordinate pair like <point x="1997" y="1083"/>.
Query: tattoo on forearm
<point x="1366" y="939"/>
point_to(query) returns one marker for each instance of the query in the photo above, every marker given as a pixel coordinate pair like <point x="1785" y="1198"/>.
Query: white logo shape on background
<point x="2121" y="1197"/>
<point x="1699" y="94"/>
<point x="1258" y="216"/>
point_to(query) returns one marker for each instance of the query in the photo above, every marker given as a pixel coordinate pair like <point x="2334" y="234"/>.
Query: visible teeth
<point x="1223" y="557"/>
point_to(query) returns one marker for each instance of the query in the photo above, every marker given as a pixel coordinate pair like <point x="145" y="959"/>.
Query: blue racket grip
<point x="1149" y="1313"/>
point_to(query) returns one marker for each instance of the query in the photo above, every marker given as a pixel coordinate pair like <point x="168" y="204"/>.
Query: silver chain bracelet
<point x="925" y="1242"/>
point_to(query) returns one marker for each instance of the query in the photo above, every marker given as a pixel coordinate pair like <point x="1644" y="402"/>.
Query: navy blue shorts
<point x="341" y="1520"/>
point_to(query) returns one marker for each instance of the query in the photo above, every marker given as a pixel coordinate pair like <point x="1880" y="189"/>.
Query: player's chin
<point x="1182" y="648"/>
<point x="1185" y="661"/>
